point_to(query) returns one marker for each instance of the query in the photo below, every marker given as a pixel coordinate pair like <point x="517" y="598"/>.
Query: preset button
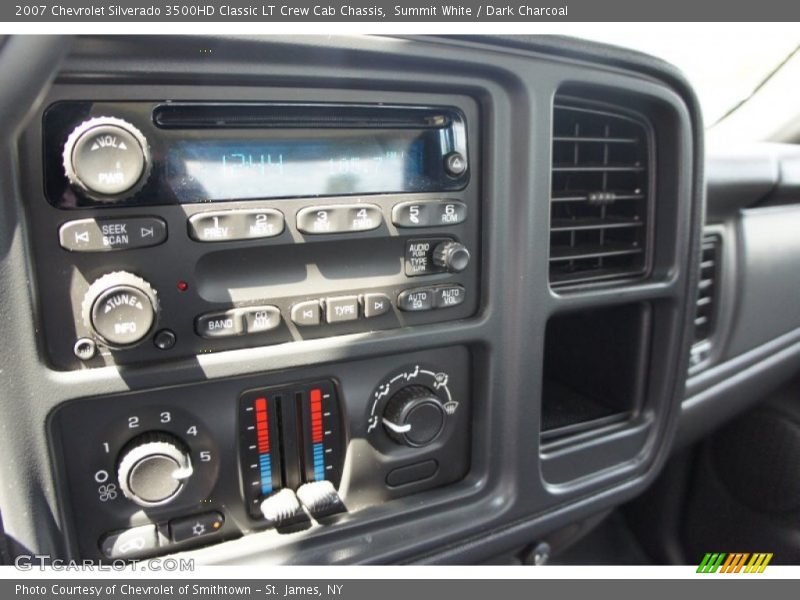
<point x="429" y="213"/>
<point x="339" y="218"/>
<point x="236" y="225"/>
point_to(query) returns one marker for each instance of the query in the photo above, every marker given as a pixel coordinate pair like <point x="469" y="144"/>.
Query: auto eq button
<point x="415" y="300"/>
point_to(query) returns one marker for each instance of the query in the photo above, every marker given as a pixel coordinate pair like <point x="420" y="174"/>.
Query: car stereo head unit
<point x="179" y="228"/>
<point x="181" y="153"/>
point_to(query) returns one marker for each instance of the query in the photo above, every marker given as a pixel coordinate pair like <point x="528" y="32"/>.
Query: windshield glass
<point x="726" y="63"/>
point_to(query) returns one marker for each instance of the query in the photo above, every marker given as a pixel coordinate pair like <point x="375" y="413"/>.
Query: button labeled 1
<point x="235" y="225"/>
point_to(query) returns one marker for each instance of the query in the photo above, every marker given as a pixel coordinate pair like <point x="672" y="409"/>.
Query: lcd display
<point x="305" y="164"/>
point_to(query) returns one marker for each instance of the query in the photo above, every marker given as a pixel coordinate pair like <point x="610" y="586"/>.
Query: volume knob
<point x="107" y="159"/>
<point x="120" y="309"/>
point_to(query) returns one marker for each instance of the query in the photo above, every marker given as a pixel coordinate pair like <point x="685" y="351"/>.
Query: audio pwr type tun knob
<point x="120" y="309"/>
<point x="153" y="469"/>
<point x="107" y="159"/>
<point x="414" y="416"/>
<point x="452" y="256"/>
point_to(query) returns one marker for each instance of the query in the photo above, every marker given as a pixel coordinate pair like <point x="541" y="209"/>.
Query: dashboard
<point x="363" y="300"/>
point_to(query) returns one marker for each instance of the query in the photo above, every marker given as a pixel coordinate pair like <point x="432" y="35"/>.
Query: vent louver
<point x="599" y="195"/>
<point x="706" y="289"/>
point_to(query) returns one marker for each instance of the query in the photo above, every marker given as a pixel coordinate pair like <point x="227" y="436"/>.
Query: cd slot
<point x="289" y="116"/>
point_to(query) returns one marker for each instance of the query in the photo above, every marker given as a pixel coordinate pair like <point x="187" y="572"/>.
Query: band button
<point x="221" y="324"/>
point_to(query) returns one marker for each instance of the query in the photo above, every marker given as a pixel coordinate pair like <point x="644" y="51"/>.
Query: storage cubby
<point x="594" y="367"/>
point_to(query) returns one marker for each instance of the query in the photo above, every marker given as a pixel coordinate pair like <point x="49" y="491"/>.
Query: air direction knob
<point x="414" y="416"/>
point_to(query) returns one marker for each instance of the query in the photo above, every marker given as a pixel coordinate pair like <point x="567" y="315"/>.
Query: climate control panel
<point x="161" y="470"/>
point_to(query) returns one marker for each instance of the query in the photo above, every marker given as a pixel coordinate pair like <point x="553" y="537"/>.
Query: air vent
<point x="706" y="289"/>
<point x="600" y="195"/>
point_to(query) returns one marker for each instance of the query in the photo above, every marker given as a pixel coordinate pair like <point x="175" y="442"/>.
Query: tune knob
<point x="120" y="309"/>
<point x="452" y="256"/>
<point x="107" y="159"/>
<point x="153" y="469"/>
<point x="414" y="416"/>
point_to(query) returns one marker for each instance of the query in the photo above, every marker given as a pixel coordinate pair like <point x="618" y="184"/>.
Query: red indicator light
<point x="182" y="286"/>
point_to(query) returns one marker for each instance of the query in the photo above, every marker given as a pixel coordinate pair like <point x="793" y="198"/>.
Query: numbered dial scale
<point x="144" y="465"/>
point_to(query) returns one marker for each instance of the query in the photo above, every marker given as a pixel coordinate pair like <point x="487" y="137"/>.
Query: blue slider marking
<point x="319" y="462"/>
<point x="266" y="473"/>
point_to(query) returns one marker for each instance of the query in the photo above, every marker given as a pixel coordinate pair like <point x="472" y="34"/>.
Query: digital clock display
<point x="305" y="164"/>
